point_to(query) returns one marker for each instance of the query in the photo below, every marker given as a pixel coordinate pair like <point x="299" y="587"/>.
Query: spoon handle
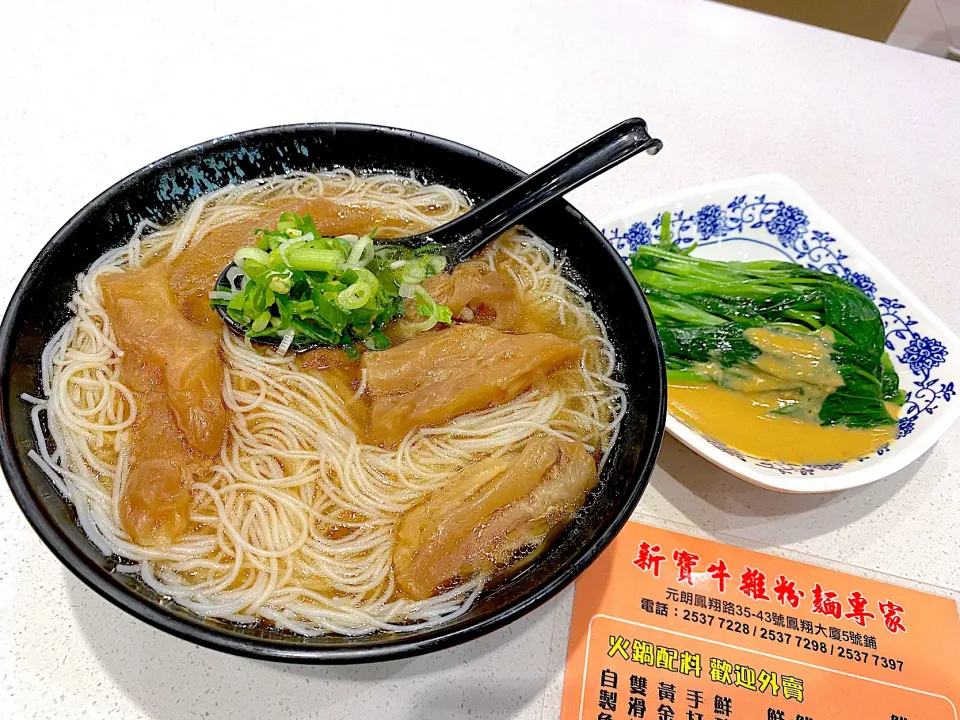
<point x="468" y="233"/>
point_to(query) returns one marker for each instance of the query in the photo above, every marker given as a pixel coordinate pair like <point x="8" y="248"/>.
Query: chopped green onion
<point x="289" y="244"/>
<point x="281" y="284"/>
<point x="362" y="252"/>
<point x="250" y="253"/>
<point x="298" y="286"/>
<point x="309" y="259"/>
<point x="355" y="296"/>
<point x="261" y="322"/>
<point x="444" y="314"/>
<point x="413" y="273"/>
<point x="380" y="340"/>
<point x="432" y="312"/>
<point x="367" y="278"/>
<point x="287" y="340"/>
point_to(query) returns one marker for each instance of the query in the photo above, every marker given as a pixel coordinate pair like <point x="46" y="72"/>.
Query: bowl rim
<point x="891" y="462"/>
<point x="196" y="631"/>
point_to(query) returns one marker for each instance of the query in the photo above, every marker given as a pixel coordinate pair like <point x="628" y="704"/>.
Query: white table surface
<point x="90" y="91"/>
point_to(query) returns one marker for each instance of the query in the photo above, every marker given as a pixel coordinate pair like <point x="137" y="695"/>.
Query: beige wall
<point x="872" y="19"/>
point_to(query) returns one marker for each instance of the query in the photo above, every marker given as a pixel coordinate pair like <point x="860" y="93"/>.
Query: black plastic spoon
<point x="461" y="238"/>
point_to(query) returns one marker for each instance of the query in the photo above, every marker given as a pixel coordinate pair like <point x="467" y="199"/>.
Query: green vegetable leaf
<point x="890" y="382"/>
<point x="380" y="340"/>
<point x="850" y="311"/>
<point x="858" y="404"/>
<point x="444" y="314"/>
<point x="725" y="344"/>
<point x="329" y="315"/>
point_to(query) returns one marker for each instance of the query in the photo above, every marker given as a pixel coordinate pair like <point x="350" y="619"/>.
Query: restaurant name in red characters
<point x="753" y="583"/>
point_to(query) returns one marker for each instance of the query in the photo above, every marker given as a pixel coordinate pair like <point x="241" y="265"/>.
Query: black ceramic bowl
<point x="162" y="190"/>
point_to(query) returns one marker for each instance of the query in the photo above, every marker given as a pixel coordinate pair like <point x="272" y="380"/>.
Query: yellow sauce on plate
<point x="770" y="408"/>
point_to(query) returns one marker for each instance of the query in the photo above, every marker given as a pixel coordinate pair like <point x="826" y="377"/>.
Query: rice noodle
<point x="295" y="523"/>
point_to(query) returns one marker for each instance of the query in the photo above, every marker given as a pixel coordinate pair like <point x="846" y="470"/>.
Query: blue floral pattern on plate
<point x="786" y="230"/>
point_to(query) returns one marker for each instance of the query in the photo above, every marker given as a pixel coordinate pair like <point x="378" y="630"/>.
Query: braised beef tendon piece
<point x="492" y="510"/>
<point x="154" y="506"/>
<point x="194" y="271"/>
<point x="175" y="369"/>
<point x="475" y="292"/>
<point x="440" y="375"/>
<point x="147" y="323"/>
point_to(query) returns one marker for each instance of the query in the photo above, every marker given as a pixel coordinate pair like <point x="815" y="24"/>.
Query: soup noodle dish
<point x="450" y="423"/>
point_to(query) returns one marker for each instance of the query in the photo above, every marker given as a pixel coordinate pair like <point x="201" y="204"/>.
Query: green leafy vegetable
<point x="859" y="403"/>
<point x="890" y="383"/>
<point x="703" y="308"/>
<point x="298" y="285"/>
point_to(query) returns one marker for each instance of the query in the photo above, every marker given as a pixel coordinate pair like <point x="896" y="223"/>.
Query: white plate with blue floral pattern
<point x="771" y="217"/>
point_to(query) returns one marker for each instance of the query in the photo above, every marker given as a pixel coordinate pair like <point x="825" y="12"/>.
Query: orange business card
<point x="671" y="627"/>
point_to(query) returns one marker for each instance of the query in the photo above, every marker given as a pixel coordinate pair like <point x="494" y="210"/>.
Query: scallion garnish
<point x="333" y="290"/>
